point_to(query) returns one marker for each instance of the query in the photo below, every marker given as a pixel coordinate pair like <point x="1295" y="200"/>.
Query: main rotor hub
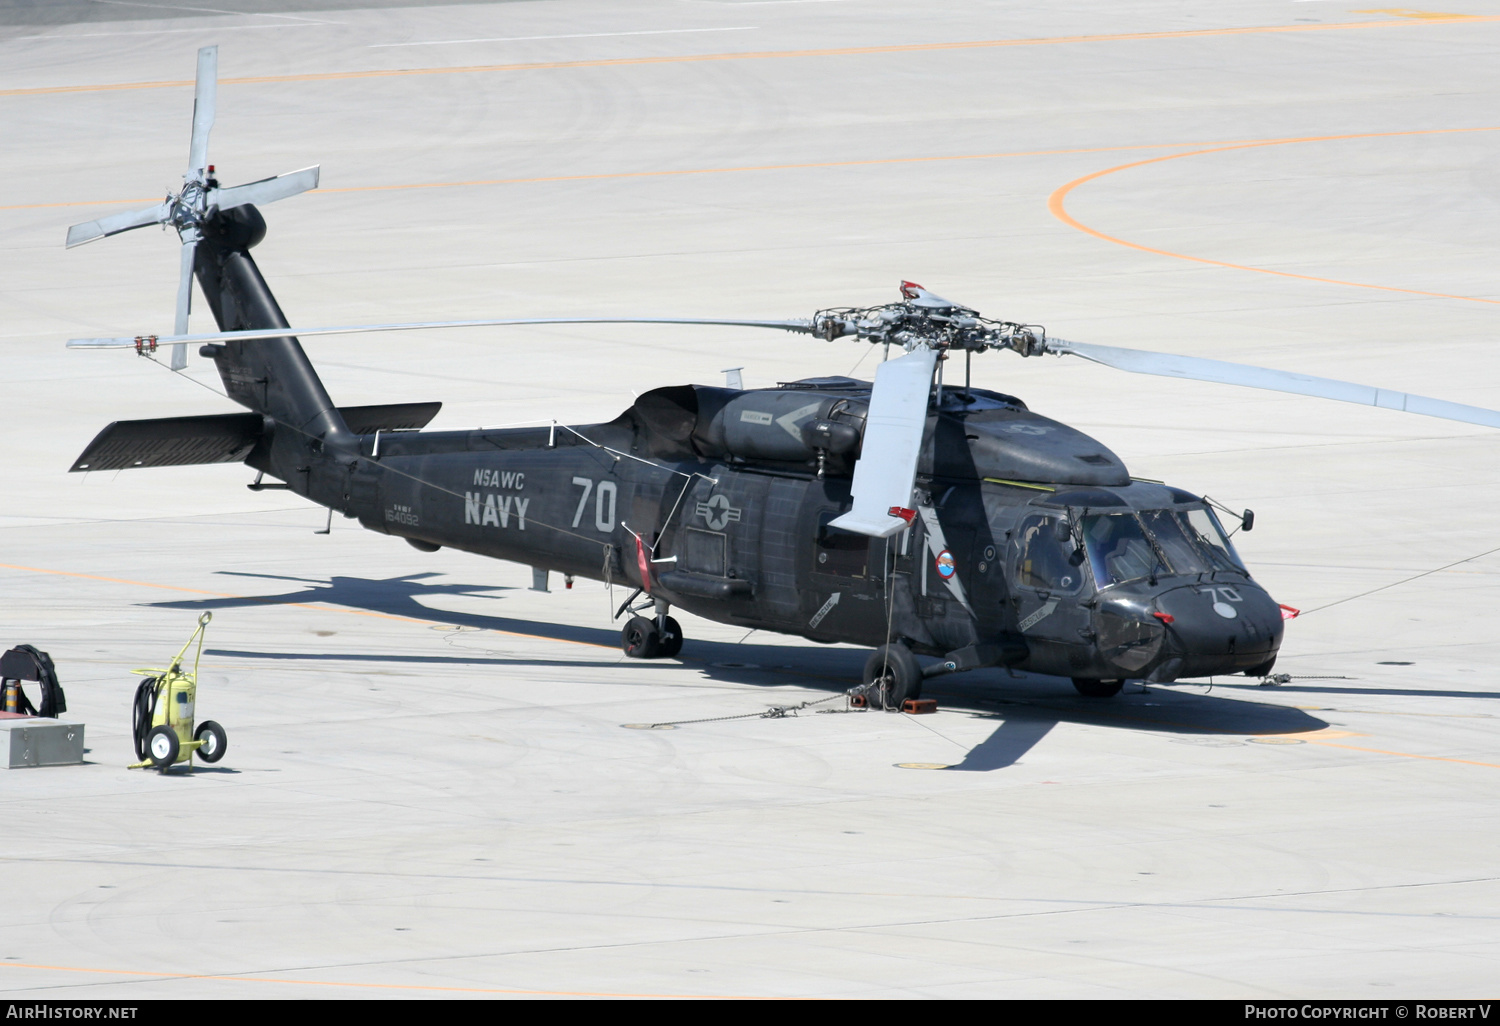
<point x="924" y="319"/>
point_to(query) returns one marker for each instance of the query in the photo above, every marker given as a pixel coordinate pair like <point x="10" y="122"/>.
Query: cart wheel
<point x="215" y="743"/>
<point x="671" y="641"/>
<point x="640" y="639"/>
<point x="162" y="746"/>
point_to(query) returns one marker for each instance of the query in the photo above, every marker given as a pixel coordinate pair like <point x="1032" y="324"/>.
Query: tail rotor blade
<point x="204" y="102"/>
<point x="268" y="190"/>
<point x="184" y="303"/>
<point x="116" y="223"/>
<point x="1196" y="369"/>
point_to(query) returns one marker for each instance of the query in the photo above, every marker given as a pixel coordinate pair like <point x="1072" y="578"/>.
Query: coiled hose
<point x="144" y="712"/>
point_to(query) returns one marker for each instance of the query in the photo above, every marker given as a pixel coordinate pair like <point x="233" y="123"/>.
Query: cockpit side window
<point x="1043" y="561"/>
<point x="1205" y="527"/>
<point x="1119" y="549"/>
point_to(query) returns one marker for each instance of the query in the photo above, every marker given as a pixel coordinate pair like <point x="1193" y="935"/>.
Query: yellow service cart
<point x="163" y="717"/>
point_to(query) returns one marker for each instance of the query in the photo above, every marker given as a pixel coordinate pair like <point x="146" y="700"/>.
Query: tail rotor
<point x="199" y="199"/>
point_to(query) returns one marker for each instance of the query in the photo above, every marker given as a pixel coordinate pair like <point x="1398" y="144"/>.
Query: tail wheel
<point x="640" y="639"/>
<point x="671" y="639"/>
<point x="162" y="746"/>
<point x="215" y="742"/>
<point x="896" y="675"/>
<point x="1092" y="687"/>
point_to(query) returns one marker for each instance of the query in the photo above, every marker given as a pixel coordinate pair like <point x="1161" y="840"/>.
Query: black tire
<point x="1093" y="687"/>
<point x="215" y="741"/>
<point x="162" y="747"/>
<point x="671" y="639"/>
<point x="896" y="674"/>
<point x="640" y="639"/>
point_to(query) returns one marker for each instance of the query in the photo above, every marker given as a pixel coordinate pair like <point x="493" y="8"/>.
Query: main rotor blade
<point x="204" y="102"/>
<point x="802" y="326"/>
<point x="267" y="190"/>
<point x="1196" y="369"/>
<point x="184" y="303"/>
<point x="887" y="464"/>
<point x="114" y="224"/>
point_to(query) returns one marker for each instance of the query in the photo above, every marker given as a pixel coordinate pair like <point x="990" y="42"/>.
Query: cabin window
<point x="1045" y="561"/>
<point x="838" y="552"/>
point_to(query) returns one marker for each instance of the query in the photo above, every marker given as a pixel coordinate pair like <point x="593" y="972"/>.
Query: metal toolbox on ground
<point x="40" y="741"/>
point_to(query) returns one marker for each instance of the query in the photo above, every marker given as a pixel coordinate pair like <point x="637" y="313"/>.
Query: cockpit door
<point x="1049" y="581"/>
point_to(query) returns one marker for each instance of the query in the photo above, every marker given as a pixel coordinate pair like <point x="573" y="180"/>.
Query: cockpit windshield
<point x="1119" y="549"/>
<point x="1128" y="546"/>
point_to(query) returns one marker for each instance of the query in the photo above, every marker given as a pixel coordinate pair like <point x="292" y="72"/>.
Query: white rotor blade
<point x="803" y="326"/>
<point x="1193" y="368"/>
<point x="267" y="190"/>
<point x="887" y="464"/>
<point x="184" y="303"/>
<point x="204" y="101"/>
<point x="116" y="223"/>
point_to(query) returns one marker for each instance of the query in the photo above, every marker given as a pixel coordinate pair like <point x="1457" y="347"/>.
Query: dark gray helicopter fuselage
<point x="983" y="572"/>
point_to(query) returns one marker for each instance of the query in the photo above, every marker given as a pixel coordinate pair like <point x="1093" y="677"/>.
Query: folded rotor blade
<point x="804" y="327"/>
<point x="1193" y="368"/>
<point x="184" y="303"/>
<point x="204" y="102"/>
<point x="114" y="224"/>
<point x="887" y="464"/>
<point x="268" y="190"/>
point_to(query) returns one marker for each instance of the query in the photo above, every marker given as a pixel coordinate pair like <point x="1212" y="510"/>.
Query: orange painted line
<point x="376" y="986"/>
<point x="1056" y="205"/>
<point x="849" y="51"/>
<point x="292" y="605"/>
<point x="608" y="175"/>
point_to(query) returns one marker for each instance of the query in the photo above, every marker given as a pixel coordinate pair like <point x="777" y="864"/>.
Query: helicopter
<point x="909" y="515"/>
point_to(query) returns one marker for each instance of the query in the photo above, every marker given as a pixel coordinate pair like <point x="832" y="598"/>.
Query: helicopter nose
<point x="1220" y="628"/>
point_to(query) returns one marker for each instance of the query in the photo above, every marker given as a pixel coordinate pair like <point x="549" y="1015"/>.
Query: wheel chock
<point x="918" y="706"/>
<point x="858" y="702"/>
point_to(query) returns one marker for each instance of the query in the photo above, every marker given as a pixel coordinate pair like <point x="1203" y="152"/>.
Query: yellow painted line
<point x="1056" y="204"/>
<point x="609" y="175"/>
<point x="848" y="51"/>
<point x="292" y="605"/>
<point x="1326" y="738"/>
<point x="373" y="986"/>
<point x="1406" y="755"/>
<point x="1324" y="735"/>
<point x="1407" y="12"/>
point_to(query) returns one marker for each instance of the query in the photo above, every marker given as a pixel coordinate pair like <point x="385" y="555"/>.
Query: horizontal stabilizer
<point x="366" y="420"/>
<point x="172" y="442"/>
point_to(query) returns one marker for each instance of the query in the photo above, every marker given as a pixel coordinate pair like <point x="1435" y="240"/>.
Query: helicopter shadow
<point x="1028" y="706"/>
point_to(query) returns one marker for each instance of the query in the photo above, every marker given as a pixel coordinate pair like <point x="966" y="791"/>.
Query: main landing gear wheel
<point x="640" y="639"/>
<point x="670" y="639"/>
<point x="162" y="747"/>
<point x="215" y="742"/>
<point x="896" y="675"/>
<point x="1092" y="687"/>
